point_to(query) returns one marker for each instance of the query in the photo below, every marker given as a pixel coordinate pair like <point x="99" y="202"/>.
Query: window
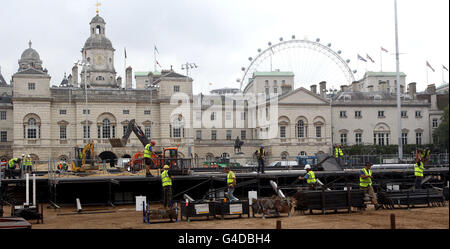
<point x="300" y="129"/>
<point x="198" y="134"/>
<point x="266" y="83"/>
<point x="62" y="132"/>
<point x="213" y="135"/>
<point x="404" y="114"/>
<point x="381" y="114"/>
<point x="243" y="135"/>
<point x="32" y="129"/>
<point x="357" y="114"/>
<point x="198" y="116"/>
<point x="3" y="115"/>
<point x="125" y="128"/>
<point x="87" y="134"/>
<point x="343" y="114"/>
<point x="318" y="131"/>
<point x="31" y="86"/>
<point x="267" y="93"/>
<point x="148" y="132"/>
<point x="381" y="138"/>
<point x="282" y="82"/>
<point x="213" y="116"/>
<point x="126" y="112"/>
<point x="344" y="138"/>
<point x="228" y="115"/>
<point x="418" y="114"/>
<point x="283" y="131"/>
<point x="228" y="134"/>
<point x="358" y="138"/>
<point x="176" y="89"/>
<point x="147" y="112"/>
<point x="62" y="112"/>
<point x="100" y="78"/>
<point x="242" y="115"/>
<point x="106" y="128"/>
<point x="404" y="138"/>
<point x="435" y="123"/>
<point x="418" y="138"/>
<point x="211" y="102"/>
<point x="3" y="136"/>
<point x="177" y="132"/>
<point x="88" y="111"/>
<point x="275" y="90"/>
<point x="275" y="83"/>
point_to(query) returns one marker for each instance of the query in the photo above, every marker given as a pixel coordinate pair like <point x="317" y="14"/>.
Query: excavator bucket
<point x="116" y="142"/>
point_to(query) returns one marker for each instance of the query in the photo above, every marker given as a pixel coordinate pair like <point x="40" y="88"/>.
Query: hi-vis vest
<point x="338" y="152"/>
<point x="230" y="177"/>
<point x="165" y="178"/>
<point x="425" y="154"/>
<point x="365" y="182"/>
<point x="311" y="178"/>
<point x="147" y="152"/>
<point x="260" y="153"/>
<point x="27" y="162"/>
<point x="418" y="169"/>
<point x="12" y="163"/>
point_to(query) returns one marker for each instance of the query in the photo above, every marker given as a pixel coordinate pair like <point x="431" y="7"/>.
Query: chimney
<point x="75" y="75"/>
<point x="355" y="86"/>
<point x="128" y="79"/>
<point x="344" y="88"/>
<point x="431" y="89"/>
<point x="370" y="88"/>
<point x="433" y="100"/>
<point x="119" y="81"/>
<point x="382" y="86"/>
<point x="314" y="89"/>
<point x="412" y="89"/>
<point x="323" y="88"/>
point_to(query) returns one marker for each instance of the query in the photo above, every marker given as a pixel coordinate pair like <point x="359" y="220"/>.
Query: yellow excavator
<point x="81" y="156"/>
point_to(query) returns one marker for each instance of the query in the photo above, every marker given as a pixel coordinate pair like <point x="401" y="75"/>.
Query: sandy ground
<point x="125" y="217"/>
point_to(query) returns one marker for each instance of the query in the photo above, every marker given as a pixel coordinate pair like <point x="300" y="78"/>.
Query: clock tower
<point x="99" y="53"/>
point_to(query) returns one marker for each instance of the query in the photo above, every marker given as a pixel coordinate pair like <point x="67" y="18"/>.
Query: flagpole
<point x="125" y="64"/>
<point x="154" y="57"/>
<point x="381" y="61"/>
<point x="426" y="68"/>
<point x="399" y="119"/>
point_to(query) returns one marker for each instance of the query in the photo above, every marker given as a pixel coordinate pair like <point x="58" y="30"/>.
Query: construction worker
<point x="365" y="183"/>
<point x="166" y="180"/>
<point x="310" y="177"/>
<point x="231" y="183"/>
<point x="148" y="151"/>
<point x="12" y="166"/>
<point x="260" y="156"/>
<point x="28" y="164"/>
<point x="418" y="172"/>
<point x="426" y="156"/>
<point x="338" y="154"/>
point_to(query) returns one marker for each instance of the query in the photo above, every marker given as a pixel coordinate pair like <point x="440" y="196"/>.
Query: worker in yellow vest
<point x="426" y="156"/>
<point x="338" y="154"/>
<point x="260" y="156"/>
<point x="28" y="164"/>
<point x="148" y="151"/>
<point x="166" y="180"/>
<point x="310" y="177"/>
<point x="365" y="183"/>
<point x="418" y="172"/>
<point x="231" y="183"/>
<point x="12" y="166"/>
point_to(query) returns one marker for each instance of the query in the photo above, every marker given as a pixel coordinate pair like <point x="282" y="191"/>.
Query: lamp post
<point x="85" y="64"/>
<point x="186" y="67"/>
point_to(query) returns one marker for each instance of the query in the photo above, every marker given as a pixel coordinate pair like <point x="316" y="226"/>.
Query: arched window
<point x="106" y="128"/>
<point x="98" y="29"/>
<point x="32" y="129"/>
<point x="302" y="153"/>
<point x="301" y="129"/>
<point x="100" y="78"/>
<point x="209" y="157"/>
<point x="284" y="155"/>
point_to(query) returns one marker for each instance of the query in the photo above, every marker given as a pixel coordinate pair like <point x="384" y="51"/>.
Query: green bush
<point x="384" y="150"/>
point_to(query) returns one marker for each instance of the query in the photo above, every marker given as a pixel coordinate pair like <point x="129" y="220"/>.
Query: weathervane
<point x="97" y="5"/>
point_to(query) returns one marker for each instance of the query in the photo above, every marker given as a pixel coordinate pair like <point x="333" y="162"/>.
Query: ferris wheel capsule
<point x="281" y="38"/>
<point x="270" y="44"/>
<point x="259" y="50"/>
<point x="329" y="45"/>
<point x="318" y="40"/>
<point x="354" y="71"/>
<point x="339" y="51"/>
<point x="243" y="68"/>
<point x="293" y="37"/>
<point x="348" y="61"/>
<point x="250" y="58"/>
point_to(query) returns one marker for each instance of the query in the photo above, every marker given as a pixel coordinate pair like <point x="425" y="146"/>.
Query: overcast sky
<point x="220" y="35"/>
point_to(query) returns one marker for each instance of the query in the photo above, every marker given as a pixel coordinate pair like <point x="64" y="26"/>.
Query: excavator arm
<point x="132" y="127"/>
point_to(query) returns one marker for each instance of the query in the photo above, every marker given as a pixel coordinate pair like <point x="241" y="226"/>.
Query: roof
<point x="274" y="73"/>
<point x="98" y="41"/>
<point x="383" y="74"/>
<point x="97" y="19"/>
<point x="2" y="80"/>
<point x="158" y="74"/>
<point x="442" y="86"/>
<point x="31" y="71"/>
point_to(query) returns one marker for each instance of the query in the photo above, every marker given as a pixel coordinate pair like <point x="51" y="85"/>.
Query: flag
<point x="370" y="58"/>
<point x="125" y="51"/>
<point x="428" y="64"/>
<point x="361" y="58"/>
<point x="158" y="63"/>
<point x="383" y="49"/>
<point x="156" y="50"/>
<point x="444" y="68"/>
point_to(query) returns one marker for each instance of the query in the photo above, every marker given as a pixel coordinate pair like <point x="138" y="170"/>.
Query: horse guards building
<point x="48" y="121"/>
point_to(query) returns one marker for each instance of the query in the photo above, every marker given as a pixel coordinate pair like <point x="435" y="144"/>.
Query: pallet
<point x="411" y="198"/>
<point x="329" y="200"/>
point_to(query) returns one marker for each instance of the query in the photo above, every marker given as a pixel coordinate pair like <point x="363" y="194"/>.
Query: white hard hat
<point x="28" y="156"/>
<point x="23" y="154"/>
<point x="307" y="166"/>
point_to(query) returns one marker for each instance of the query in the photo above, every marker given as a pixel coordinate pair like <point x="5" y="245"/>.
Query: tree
<point x="440" y="135"/>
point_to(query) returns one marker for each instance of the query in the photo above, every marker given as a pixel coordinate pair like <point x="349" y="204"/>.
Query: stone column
<point x="128" y="78"/>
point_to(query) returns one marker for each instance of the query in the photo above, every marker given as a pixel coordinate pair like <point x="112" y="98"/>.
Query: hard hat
<point x="262" y="145"/>
<point x="153" y="142"/>
<point x="23" y="154"/>
<point x="166" y="166"/>
<point x="307" y="166"/>
<point x="28" y="156"/>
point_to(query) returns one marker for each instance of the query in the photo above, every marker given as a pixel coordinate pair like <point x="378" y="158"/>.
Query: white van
<point x="283" y="164"/>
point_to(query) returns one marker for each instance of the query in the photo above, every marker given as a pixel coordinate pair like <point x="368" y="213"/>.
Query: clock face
<point x="100" y="59"/>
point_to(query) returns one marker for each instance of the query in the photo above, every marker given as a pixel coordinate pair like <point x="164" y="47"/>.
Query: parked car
<point x="283" y="164"/>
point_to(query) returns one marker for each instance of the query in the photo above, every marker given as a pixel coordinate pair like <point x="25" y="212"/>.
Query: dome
<point x="30" y="58"/>
<point x="30" y="54"/>
<point x="98" y="41"/>
<point x="97" y="19"/>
